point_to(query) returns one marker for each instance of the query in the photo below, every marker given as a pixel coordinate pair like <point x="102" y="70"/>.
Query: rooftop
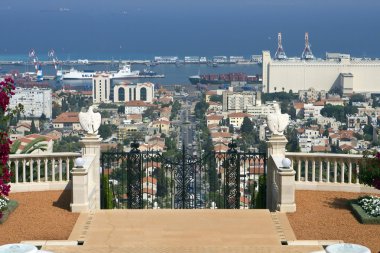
<point x="67" y="117"/>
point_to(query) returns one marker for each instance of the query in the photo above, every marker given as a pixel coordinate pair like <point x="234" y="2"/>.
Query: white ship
<point x="74" y="74"/>
<point x="125" y="72"/>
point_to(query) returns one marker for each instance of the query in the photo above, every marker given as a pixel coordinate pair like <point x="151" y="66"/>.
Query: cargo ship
<point x="224" y="78"/>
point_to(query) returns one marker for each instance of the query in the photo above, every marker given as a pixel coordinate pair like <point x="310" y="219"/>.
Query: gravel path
<point x="326" y="216"/>
<point x="39" y="216"/>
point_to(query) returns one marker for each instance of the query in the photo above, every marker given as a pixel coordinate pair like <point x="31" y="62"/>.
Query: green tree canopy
<point x="357" y="98"/>
<point x="247" y="126"/>
<point x="216" y="98"/>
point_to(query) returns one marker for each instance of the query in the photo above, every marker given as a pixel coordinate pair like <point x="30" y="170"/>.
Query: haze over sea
<point x="142" y="29"/>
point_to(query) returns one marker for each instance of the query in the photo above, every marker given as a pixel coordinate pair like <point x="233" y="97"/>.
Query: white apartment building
<point x="36" y="101"/>
<point x="136" y="107"/>
<point x="101" y="88"/>
<point x="240" y="101"/>
<point x="306" y="142"/>
<point x="262" y="110"/>
<point x="312" y="111"/>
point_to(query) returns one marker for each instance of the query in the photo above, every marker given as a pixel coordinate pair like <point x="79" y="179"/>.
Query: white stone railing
<point x="326" y="171"/>
<point x="41" y="172"/>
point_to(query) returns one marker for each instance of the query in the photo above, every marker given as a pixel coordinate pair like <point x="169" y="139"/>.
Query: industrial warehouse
<point x="337" y="73"/>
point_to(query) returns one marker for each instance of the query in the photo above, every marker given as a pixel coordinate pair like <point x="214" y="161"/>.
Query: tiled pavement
<point x="177" y="231"/>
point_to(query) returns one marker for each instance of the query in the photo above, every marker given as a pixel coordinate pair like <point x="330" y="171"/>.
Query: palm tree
<point x="36" y="144"/>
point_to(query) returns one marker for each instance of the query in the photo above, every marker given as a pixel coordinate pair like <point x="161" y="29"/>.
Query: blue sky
<point x="188" y="27"/>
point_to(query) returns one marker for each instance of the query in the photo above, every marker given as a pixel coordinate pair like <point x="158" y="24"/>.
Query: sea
<point x="174" y="74"/>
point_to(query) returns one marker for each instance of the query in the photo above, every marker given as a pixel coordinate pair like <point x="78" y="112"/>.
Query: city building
<point x="214" y="119"/>
<point x="101" y="88"/>
<point x="261" y="110"/>
<point x="356" y="122"/>
<point x="36" y="101"/>
<point x="129" y="131"/>
<point x="125" y="92"/>
<point x="344" y="73"/>
<point x="68" y="121"/>
<point x="312" y="110"/>
<point x="136" y="107"/>
<point x="330" y="122"/>
<point x="311" y="95"/>
<point x="240" y="101"/>
<point x="161" y="126"/>
<point x="236" y="119"/>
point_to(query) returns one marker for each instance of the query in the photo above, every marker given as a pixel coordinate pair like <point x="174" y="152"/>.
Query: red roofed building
<point x="236" y="118"/>
<point x="214" y="119"/>
<point x="161" y="125"/>
<point x="221" y="136"/>
<point x="67" y="121"/>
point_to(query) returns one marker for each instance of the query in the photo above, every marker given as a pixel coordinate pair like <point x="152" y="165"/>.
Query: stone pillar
<point x="286" y="201"/>
<point x="276" y="145"/>
<point x="280" y="179"/>
<point x="91" y="150"/>
<point x="80" y="190"/>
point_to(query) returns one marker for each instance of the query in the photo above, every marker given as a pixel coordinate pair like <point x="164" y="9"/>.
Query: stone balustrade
<point x="328" y="172"/>
<point x="41" y="172"/>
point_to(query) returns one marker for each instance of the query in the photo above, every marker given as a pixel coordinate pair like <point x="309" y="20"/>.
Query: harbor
<point x="166" y="74"/>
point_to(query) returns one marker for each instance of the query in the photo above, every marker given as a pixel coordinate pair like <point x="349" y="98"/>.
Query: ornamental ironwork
<point x="151" y="179"/>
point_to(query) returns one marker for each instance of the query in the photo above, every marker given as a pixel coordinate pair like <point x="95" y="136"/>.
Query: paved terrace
<point x="320" y="216"/>
<point x="181" y="231"/>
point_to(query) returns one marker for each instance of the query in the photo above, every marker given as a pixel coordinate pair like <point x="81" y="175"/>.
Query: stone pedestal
<point x="86" y="179"/>
<point x="276" y="145"/>
<point x="280" y="179"/>
<point x="287" y="188"/>
<point x="91" y="149"/>
<point x="80" y="190"/>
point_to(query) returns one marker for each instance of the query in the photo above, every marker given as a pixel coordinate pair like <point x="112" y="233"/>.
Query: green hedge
<point x="12" y="205"/>
<point x="362" y="216"/>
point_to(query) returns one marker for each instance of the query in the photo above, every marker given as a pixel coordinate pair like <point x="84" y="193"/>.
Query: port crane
<point x="54" y="59"/>
<point x="307" y="54"/>
<point x="280" y="53"/>
<point x="37" y="66"/>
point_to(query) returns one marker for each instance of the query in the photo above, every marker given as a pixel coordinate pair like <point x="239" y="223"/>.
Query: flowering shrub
<point x="3" y="203"/>
<point x="369" y="173"/>
<point x="6" y="91"/>
<point x="370" y="204"/>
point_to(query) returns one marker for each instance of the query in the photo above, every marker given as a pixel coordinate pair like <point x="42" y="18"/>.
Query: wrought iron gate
<point x="151" y="179"/>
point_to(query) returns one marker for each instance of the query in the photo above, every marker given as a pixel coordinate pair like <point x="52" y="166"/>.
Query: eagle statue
<point x="277" y="122"/>
<point x="90" y="121"/>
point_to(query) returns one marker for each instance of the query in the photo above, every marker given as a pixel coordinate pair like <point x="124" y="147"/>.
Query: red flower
<point x="6" y="91"/>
